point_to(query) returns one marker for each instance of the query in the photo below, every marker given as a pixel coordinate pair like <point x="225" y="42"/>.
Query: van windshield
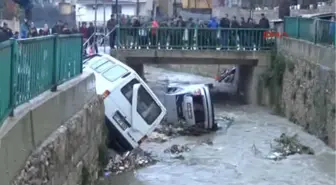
<point x="114" y="73"/>
<point x="148" y="109"/>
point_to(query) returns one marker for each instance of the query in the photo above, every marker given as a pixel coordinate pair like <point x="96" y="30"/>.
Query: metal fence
<point x="35" y="65"/>
<point x="192" y="38"/>
<point x="317" y="31"/>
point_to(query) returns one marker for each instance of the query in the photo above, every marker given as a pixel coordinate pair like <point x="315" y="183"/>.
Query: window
<point x="147" y="107"/>
<point x="114" y="73"/>
<point x="97" y="61"/>
<point x="104" y="67"/>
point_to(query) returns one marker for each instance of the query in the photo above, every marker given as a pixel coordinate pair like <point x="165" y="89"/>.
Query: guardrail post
<point x="298" y="28"/>
<point x="12" y="76"/>
<point x="118" y="35"/>
<point x="315" y="31"/>
<point x="81" y="57"/>
<point x="54" y="63"/>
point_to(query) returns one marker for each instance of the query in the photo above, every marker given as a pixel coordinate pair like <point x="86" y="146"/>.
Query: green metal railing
<point x="6" y="55"/>
<point x="196" y="38"/>
<point x="35" y="65"/>
<point x="317" y="31"/>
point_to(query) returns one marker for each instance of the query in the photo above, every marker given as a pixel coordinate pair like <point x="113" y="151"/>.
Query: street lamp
<point x="137" y="8"/>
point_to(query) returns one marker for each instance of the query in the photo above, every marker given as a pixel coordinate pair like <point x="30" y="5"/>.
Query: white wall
<point x="87" y="13"/>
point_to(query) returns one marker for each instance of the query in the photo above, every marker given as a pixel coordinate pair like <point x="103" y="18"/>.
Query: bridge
<point x="51" y="125"/>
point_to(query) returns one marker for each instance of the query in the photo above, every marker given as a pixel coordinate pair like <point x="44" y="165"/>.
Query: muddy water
<point x="237" y="156"/>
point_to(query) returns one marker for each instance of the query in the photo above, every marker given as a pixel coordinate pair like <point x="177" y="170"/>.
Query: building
<point x="85" y="9"/>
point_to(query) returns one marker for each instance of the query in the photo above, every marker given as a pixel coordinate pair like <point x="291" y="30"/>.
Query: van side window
<point x="147" y="107"/>
<point x="97" y="63"/>
<point x="114" y="73"/>
<point x="104" y="67"/>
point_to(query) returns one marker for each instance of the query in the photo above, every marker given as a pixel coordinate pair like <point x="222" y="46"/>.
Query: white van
<point x="228" y="82"/>
<point x="191" y="103"/>
<point x="132" y="111"/>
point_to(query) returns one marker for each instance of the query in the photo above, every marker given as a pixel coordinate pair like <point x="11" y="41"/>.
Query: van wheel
<point x="118" y="148"/>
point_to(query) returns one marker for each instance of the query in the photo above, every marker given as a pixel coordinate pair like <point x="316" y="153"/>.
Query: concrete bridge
<point x="52" y="129"/>
<point x="254" y="62"/>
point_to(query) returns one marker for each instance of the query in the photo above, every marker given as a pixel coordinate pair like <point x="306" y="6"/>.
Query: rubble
<point x="157" y="137"/>
<point x="181" y="129"/>
<point x="288" y="145"/>
<point x="135" y="160"/>
<point x="177" y="149"/>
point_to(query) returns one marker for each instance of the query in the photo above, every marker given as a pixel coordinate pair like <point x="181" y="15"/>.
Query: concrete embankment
<point x="307" y="86"/>
<point x="56" y="138"/>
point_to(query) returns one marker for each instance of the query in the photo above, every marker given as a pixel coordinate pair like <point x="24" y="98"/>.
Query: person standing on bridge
<point x="225" y="25"/>
<point x="213" y="25"/>
<point x="332" y="30"/>
<point x="263" y="25"/>
<point x="234" y="32"/>
<point x="111" y="28"/>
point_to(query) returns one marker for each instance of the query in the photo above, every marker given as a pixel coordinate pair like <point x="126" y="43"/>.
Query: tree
<point x="27" y="6"/>
<point x="284" y="8"/>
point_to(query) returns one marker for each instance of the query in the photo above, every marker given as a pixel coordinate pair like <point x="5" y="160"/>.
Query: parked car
<point x="132" y="110"/>
<point x="191" y="103"/>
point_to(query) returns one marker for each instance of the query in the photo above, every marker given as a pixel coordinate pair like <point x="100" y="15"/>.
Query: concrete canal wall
<point x="308" y="87"/>
<point x="55" y="138"/>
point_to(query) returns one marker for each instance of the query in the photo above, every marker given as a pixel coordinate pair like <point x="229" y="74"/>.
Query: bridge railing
<point x="35" y="65"/>
<point x="194" y="39"/>
<point x="317" y="31"/>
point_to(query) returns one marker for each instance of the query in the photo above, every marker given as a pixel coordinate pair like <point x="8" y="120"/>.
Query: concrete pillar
<point x="253" y="84"/>
<point x="139" y="68"/>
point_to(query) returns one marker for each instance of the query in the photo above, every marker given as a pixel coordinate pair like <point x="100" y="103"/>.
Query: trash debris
<point x="208" y="142"/>
<point x="288" y="145"/>
<point x="177" y="149"/>
<point x="135" y="160"/>
<point x="157" y="137"/>
<point x="181" y="129"/>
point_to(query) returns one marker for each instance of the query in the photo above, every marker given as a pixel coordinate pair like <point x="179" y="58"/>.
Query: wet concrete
<point x="235" y="155"/>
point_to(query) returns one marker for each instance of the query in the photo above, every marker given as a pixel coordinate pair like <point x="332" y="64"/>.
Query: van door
<point x="171" y="105"/>
<point x="188" y="109"/>
<point x="145" y="111"/>
<point x="209" y="109"/>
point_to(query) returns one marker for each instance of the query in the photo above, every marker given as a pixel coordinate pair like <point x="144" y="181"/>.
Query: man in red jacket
<point x="83" y="30"/>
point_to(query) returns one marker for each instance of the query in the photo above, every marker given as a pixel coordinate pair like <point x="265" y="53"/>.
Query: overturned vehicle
<point x="191" y="103"/>
<point x="132" y="110"/>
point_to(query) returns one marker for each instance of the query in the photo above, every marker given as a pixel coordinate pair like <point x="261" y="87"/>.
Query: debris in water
<point x="173" y="130"/>
<point x="288" y="145"/>
<point x="208" y="142"/>
<point x="137" y="159"/>
<point x="177" y="149"/>
<point x="157" y="137"/>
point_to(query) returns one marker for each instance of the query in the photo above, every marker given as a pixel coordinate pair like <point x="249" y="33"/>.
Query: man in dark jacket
<point x="57" y="29"/>
<point x="110" y="26"/>
<point x="234" y="24"/>
<point x="66" y="29"/>
<point x="191" y="32"/>
<point x="225" y="25"/>
<point x="3" y="35"/>
<point x="242" y="33"/>
<point x="7" y="30"/>
<point x="263" y="25"/>
<point x="91" y="32"/>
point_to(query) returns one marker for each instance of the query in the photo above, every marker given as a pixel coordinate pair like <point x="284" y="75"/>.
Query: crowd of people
<point x="28" y="30"/>
<point x="173" y="32"/>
